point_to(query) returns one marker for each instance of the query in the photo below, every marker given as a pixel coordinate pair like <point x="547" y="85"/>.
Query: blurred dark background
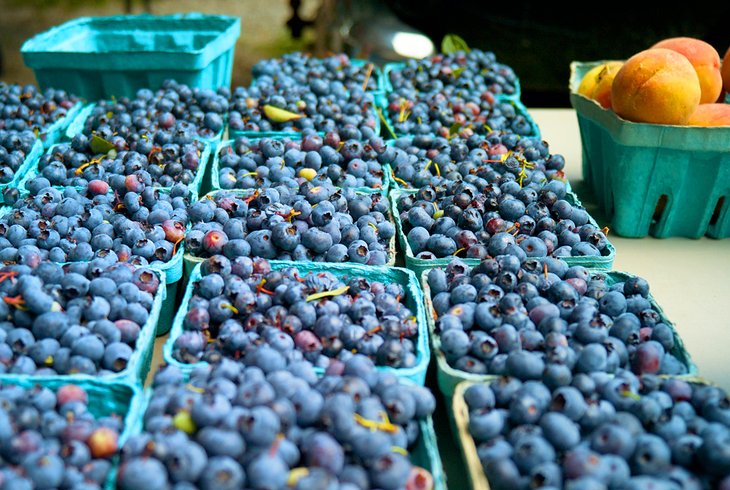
<point x="539" y="39"/>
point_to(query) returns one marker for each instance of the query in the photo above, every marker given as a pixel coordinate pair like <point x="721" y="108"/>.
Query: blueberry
<point x="285" y="236"/>
<point x="486" y="423"/>
<point x="317" y="241"/>
<point x="441" y="245"/>
<point x="534" y="247"/>
<point x="613" y="439"/>
<point x="187" y="463"/>
<point x="261" y="244"/>
<point x="222" y="472"/>
<point x="652" y="455"/>
<point x="45" y="471"/>
<point x="525" y="365"/>
<point x="454" y="343"/>
<point x="418" y="238"/>
<point x="390" y="471"/>
<point x="560" y="431"/>
<point x="712" y="454"/>
<point x="267" y="471"/>
<point x="546" y="474"/>
<point x="359" y="252"/>
<point x="636" y="285"/>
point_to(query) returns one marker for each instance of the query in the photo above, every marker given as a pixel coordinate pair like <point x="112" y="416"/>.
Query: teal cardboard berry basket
<point x="100" y="57"/>
<point x="398" y="183"/>
<point x="400" y="65"/>
<point x="390" y="131"/>
<point x="653" y="179"/>
<point x="404" y="277"/>
<point x="459" y="418"/>
<point x="295" y="133"/>
<point x="423" y="452"/>
<point x="104" y="399"/>
<point x="200" y="184"/>
<point x="603" y="262"/>
<point x="287" y="130"/>
<point x="226" y="145"/>
<point x="376" y="73"/>
<point x="138" y="366"/>
<point x="190" y="260"/>
<point x="449" y="377"/>
<point x="172" y="269"/>
<point x="194" y="187"/>
<point x="77" y="123"/>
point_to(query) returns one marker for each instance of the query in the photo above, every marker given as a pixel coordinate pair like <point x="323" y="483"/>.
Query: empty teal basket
<point x="101" y="57"/>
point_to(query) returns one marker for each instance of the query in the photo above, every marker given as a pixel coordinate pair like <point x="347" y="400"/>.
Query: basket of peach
<point x="655" y="133"/>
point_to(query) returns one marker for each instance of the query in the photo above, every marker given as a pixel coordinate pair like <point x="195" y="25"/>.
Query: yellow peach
<point x="710" y="115"/>
<point x="596" y="84"/>
<point x="725" y="71"/>
<point x="658" y="86"/>
<point x="706" y="61"/>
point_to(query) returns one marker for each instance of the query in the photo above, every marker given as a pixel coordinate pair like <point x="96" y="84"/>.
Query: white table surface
<point x="690" y="279"/>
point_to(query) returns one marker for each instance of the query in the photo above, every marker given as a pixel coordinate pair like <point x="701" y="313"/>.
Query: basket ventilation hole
<point x="718" y="209"/>
<point x="661" y="205"/>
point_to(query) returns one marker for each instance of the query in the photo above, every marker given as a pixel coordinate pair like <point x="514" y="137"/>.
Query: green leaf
<point x="279" y="115"/>
<point x="454" y="129"/>
<point x="456" y="73"/>
<point x="452" y="43"/>
<point x="324" y="294"/>
<point x="100" y="145"/>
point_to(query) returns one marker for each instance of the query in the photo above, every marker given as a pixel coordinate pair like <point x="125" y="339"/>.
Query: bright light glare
<point x="411" y="45"/>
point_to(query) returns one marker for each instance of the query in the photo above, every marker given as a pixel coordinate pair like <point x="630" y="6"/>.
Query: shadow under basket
<point x="653" y="179"/>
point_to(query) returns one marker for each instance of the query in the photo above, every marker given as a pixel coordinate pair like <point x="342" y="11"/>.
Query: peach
<point x="658" y="86"/>
<point x="596" y="84"/>
<point x="705" y="60"/>
<point x="710" y="115"/>
<point x="725" y="71"/>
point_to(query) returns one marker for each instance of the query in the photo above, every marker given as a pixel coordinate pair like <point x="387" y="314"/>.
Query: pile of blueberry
<point x="584" y="392"/>
<point x="331" y="160"/>
<point x="316" y="223"/>
<point x="541" y="319"/>
<point x="81" y="318"/>
<point x="447" y="114"/>
<point x="157" y="160"/>
<point x="50" y="439"/>
<point x="319" y="105"/>
<point x="598" y="431"/>
<point x="475" y="71"/>
<point x="302" y="68"/>
<point x="232" y="427"/>
<point x="25" y="113"/>
<point x="99" y="223"/>
<point x="455" y="94"/>
<point x="25" y="107"/>
<point x="239" y="306"/>
<point x="491" y="213"/>
<point x="174" y="109"/>
<point x="433" y="160"/>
